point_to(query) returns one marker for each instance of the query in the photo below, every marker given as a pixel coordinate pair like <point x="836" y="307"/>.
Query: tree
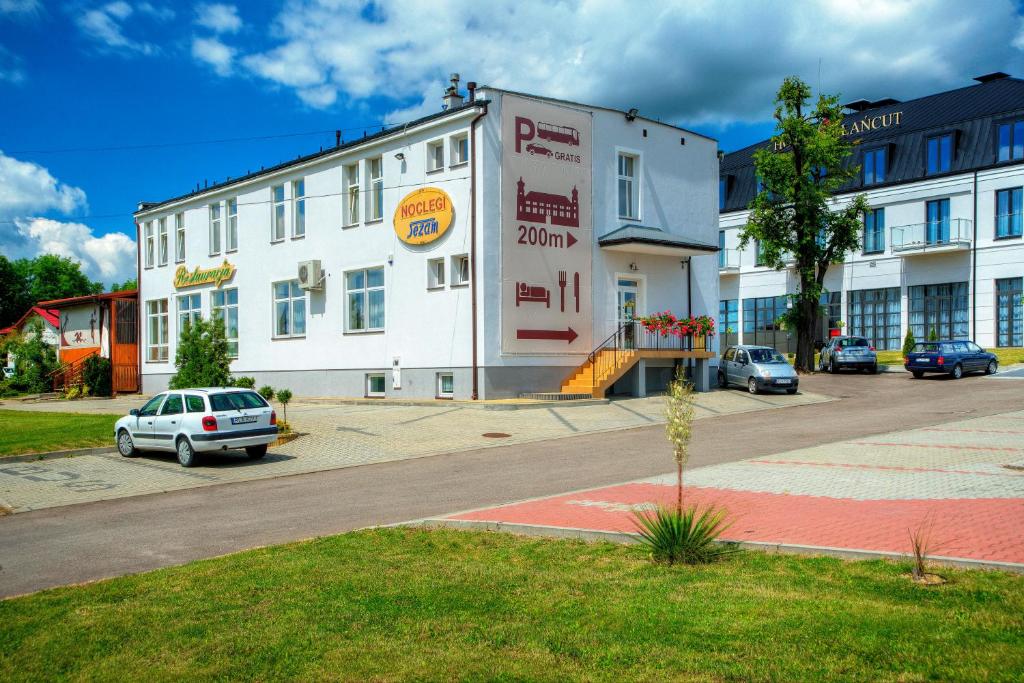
<point x="57" y="277"/>
<point x="908" y="342"/>
<point x="34" y="360"/>
<point x="678" y="428"/>
<point x="793" y="214"/>
<point x="15" y="299"/>
<point x="125" y="286"/>
<point x="284" y="396"/>
<point x="202" y="357"/>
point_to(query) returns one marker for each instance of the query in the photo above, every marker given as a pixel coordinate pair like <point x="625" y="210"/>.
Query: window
<point x="289" y="309"/>
<point x="1010" y="312"/>
<point x="760" y="321"/>
<point x="232" y="235"/>
<point x="628" y="187"/>
<point x="445" y="385"/>
<point x="150" y="246"/>
<point x="351" y="208"/>
<point x="179" y="237"/>
<point x="875" y="315"/>
<point x="364" y="295"/>
<point x="376" y="171"/>
<point x="759" y="258"/>
<point x="721" y="249"/>
<point x="156" y="343"/>
<point x="237" y="400"/>
<point x="189" y="311"/>
<point x="375" y="385"/>
<point x="173" y="405"/>
<point x="460" y="150"/>
<point x="759" y="182"/>
<point x="874" y="231"/>
<point x="151" y="406"/>
<point x="195" y="404"/>
<point x="435" y="156"/>
<point x="1009" y="212"/>
<point x="1010" y="141"/>
<point x="215" y="229"/>
<point x="940" y="153"/>
<point x="832" y="308"/>
<point x="728" y="317"/>
<point x="299" y="209"/>
<point x="460" y="270"/>
<point x="224" y="305"/>
<point x="278" y="216"/>
<point x="163" y="241"/>
<point x="723" y="186"/>
<point x="943" y="308"/>
<point x="435" y="273"/>
<point x="874" y="166"/>
<point x="937" y="227"/>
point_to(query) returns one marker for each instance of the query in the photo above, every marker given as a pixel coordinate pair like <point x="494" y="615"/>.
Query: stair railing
<point x="631" y="335"/>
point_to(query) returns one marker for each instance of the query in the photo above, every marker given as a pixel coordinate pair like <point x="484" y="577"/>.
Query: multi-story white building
<point x="483" y="251"/>
<point x="942" y="246"/>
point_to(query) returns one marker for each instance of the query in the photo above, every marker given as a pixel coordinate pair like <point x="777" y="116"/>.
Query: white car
<point x="193" y="421"/>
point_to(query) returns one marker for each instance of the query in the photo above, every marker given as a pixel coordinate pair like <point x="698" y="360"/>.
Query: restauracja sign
<point x="217" y="275"/>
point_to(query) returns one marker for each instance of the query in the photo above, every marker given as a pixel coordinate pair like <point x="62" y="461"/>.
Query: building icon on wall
<point x="541" y="207"/>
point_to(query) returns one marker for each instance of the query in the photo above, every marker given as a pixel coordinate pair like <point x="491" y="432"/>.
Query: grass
<point x="1006" y="356"/>
<point x="22" y="431"/>
<point x="392" y="604"/>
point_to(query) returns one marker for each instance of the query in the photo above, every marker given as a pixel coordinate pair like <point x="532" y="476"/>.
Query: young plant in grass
<point x="284" y="396"/>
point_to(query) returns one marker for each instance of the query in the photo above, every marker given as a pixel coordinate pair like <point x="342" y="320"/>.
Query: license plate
<point x="243" y="419"/>
<point x="783" y="381"/>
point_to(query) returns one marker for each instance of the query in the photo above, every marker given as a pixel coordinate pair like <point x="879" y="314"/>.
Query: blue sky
<point x="103" y="104"/>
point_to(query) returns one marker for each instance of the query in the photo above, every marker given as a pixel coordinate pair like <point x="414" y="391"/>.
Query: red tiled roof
<point x="48" y="314"/>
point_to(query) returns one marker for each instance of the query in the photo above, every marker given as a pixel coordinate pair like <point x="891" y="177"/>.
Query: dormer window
<point x="1010" y="140"/>
<point x="723" y="189"/>
<point x="874" y="166"/>
<point x="940" y="153"/>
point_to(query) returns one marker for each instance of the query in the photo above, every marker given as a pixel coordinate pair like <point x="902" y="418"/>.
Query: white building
<point x="510" y="233"/>
<point x="942" y="247"/>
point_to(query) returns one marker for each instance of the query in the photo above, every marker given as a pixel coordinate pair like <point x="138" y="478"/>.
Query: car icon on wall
<point x="539" y="149"/>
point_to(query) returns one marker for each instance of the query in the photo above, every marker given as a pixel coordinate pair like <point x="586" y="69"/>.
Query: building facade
<point x="461" y="255"/>
<point x="942" y="245"/>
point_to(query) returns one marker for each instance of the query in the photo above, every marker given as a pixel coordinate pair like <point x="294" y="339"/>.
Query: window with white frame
<point x="277" y="213"/>
<point x="445" y="385"/>
<point x="162" y="242"/>
<point x="299" y="208"/>
<point x="189" y="311"/>
<point x="289" y="309"/>
<point x="628" y="186"/>
<point x="435" y="273"/>
<point x="147" y="229"/>
<point x="435" y="155"/>
<point x="351" y="208"/>
<point x="179" y="237"/>
<point x="375" y="385"/>
<point x="460" y="270"/>
<point x="364" y="299"/>
<point x="232" y="231"/>
<point x="224" y="306"/>
<point x="156" y="326"/>
<point x="215" y="228"/>
<point x="376" y="172"/>
<point x="460" y="150"/>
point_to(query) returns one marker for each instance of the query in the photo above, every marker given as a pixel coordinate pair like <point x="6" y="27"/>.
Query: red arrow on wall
<point x="570" y="240"/>
<point x="567" y="335"/>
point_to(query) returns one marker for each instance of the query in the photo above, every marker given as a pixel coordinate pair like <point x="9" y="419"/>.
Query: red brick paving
<point x="981" y="529"/>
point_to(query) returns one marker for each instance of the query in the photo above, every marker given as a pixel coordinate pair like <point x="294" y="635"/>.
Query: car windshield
<point x="236" y="400"/>
<point x="766" y="356"/>
<point x="854" y="341"/>
<point x="926" y="347"/>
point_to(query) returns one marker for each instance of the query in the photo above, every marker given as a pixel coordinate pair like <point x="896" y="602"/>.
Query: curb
<point x="472" y="405"/>
<point x="53" y="455"/>
<point x="574" y="533"/>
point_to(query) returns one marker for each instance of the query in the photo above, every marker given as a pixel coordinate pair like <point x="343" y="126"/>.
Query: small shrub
<point x="933" y="335"/>
<point x="284" y="396"/>
<point x="97" y="374"/>
<point x="245" y="382"/>
<point x="688" y="535"/>
<point x="202" y="357"/>
<point x="283" y="427"/>
<point x="267" y="392"/>
<point x="72" y="393"/>
<point x="908" y="342"/>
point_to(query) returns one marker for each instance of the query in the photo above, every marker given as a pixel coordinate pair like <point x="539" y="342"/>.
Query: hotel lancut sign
<point x="860" y="126"/>
<point x="217" y="275"/>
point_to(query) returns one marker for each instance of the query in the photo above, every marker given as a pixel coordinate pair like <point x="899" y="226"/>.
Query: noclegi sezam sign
<point x="423" y="216"/>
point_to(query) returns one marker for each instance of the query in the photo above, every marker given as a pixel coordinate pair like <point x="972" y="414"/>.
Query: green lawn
<point x="22" y="431"/>
<point x="397" y="604"/>
<point x="1006" y="356"/>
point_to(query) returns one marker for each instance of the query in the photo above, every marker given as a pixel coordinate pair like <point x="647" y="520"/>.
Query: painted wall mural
<point x="81" y="326"/>
<point x="547" y="229"/>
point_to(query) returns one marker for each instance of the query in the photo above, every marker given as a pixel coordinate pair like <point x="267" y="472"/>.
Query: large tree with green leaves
<point x="795" y="214"/>
<point x="25" y="282"/>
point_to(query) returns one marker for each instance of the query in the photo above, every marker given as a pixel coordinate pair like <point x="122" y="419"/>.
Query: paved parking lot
<point x="338" y="436"/>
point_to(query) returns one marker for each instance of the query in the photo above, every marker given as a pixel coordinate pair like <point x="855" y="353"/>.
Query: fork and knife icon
<point x="563" y="281"/>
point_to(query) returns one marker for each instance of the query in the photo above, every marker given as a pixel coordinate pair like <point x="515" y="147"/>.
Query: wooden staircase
<point x="600" y="372"/>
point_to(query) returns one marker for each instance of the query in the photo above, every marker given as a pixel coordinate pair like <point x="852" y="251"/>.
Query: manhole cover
<point x="496" y="435"/>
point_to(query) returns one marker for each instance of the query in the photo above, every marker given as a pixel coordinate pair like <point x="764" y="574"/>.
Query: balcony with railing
<point x="728" y="261"/>
<point x="932" y="236"/>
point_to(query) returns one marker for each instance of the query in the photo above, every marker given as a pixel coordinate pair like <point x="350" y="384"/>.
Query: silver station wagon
<point x="192" y="421"/>
<point x="757" y="368"/>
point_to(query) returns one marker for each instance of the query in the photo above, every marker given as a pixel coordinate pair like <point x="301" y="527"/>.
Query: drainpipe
<point x="472" y="242"/>
<point x="138" y="308"/>
<point x="974" y="265"/>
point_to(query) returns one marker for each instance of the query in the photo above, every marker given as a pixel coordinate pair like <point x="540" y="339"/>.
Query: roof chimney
<point x="471" y="87"/>
<point x="994" y="76"/>
<point x="452" y="99"/>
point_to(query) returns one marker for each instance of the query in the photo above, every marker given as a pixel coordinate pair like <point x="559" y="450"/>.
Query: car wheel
<point x="832" y="366"/>
<point x="992" y="367"/>
<point x="125" y="445"/>
<point x="918" y="374"/>
<point x="790" y="391"/>
<point x="723" y="383"/>
<point x="752" y="385"/>
<point x="256" y="452"/>
<point x="958" y="371"/>
<point x="187" y="456"/>
<point x="873" y="370"/>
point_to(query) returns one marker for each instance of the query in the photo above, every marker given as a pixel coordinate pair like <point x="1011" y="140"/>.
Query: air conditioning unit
<point x="310" y="275"/>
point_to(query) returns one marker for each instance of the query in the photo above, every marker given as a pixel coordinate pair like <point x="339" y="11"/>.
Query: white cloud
<point x="218" y="17"/>
<point x="20" y="6"/>
<point x="27" y="188"/>
<point x="106" y="25"/>
<point x="215" y="53"/>
<point x="108" y="258"/>
<point x="11" y="69"/>
<point x="683" y="60"/>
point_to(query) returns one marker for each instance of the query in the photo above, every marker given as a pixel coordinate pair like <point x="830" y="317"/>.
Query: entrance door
<point x="627" y="308"/>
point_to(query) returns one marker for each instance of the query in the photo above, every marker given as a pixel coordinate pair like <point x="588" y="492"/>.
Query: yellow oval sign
<point x="423" y="216"/>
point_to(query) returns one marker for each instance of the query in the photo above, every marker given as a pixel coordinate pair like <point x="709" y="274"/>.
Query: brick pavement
<point x="864" y="494"/>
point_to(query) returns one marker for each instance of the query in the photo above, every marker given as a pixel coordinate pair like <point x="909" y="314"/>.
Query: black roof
<point x="970" y="113"/>
<point x="383" y="133"/>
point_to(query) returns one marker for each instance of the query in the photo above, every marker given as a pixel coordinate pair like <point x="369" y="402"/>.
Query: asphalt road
<point x="72" y="544"/>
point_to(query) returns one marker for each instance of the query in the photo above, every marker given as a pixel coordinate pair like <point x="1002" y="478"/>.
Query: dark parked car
<point x="539" y="149"/>
<point x="955" y="358"/>
<point x="848" y="352"/>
